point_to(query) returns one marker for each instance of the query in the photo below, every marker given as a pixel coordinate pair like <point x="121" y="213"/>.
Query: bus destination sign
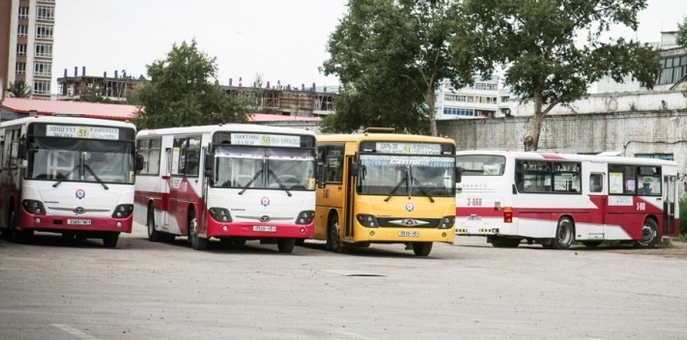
<point x="261" y="139"/>
<point x="408" y="148"/>
<point x="90" y="132"/>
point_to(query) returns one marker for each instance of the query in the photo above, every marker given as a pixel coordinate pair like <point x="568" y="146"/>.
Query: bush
<point x="683" y="216"/>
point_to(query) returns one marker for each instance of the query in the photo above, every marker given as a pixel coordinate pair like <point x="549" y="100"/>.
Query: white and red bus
<point x="558" y="199"/>
<point x="234" y="182"/>
<point x="50" y="182"/>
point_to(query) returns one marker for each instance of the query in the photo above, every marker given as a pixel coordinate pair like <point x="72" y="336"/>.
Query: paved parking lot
<point x="469" y="290"/>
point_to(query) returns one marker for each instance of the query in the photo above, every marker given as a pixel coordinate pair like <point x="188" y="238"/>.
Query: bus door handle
<point x="659" y="198"/>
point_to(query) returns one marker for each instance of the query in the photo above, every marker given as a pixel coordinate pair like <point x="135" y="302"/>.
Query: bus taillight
<point x="508" y="214"/>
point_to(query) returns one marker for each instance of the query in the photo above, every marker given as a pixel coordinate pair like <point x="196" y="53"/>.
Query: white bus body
<point x="557" y="199"/>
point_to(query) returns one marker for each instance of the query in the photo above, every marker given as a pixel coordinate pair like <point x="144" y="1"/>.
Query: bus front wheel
<point x="649" y="235"/>
<point x="285" y="245"/>
<point x="110" y="240"/>
<point x="565" y="234"/>
<point x="153" y="235"/>
<point x="333" y="240"/>
<point x="197" y="242"/>
<point x="422" y="248"/>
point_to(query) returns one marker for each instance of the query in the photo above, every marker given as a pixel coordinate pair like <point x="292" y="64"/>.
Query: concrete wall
<point x="628" y="133"/>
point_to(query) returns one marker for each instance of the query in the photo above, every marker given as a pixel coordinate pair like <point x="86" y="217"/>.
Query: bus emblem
<point x="80" y="193"/>
<point x="265" y="201"/>
<point x="410" y="207"/>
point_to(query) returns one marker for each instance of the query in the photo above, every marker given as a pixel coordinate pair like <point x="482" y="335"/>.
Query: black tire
<point x="68" y="236"/>
<point x="17" y="236"/>
<point x="285" y="245"/>
<point x="422" y="248"/>
<point x="333" y="240"/>
<point x="591" y="244"/>
<point x="197" y="242"/>
<point x="153" y="235"/>
<point x="565" y="234"/>
<point x="505" y="242"/>
<point x="649" y="235"/>
<point x="300" y="241"/>
<point x="110" y="240"/>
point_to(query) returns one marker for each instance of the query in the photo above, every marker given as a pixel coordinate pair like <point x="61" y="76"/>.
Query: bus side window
<point x="595" y="183"/>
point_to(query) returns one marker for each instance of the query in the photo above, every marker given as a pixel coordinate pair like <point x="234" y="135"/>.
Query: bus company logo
<point x="80" y="193"/>
<point x="410" y="207"/>
<point x="265" y="201"/>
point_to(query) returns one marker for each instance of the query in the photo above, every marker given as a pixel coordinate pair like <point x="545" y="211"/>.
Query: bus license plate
<point x="265" y="228"/>
<point x="73" y="221"/>
<point x="409" y="233"/>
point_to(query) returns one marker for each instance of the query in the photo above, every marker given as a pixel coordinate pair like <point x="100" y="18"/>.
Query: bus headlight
<point x="34" y="207"/>
<point x="305" y="217"/>
<point x="123" y="210"/>
<point x="447" y="222"/>
<point x="368" y="221"/>
<point x="220" y="214"/>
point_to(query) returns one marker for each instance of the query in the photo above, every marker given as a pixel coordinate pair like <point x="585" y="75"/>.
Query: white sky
<point x="281" y="40"/>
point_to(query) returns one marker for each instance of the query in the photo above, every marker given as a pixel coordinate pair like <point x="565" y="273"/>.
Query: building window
<point x="674" y="68"/>
<point x="41" y="87"/>
<point x="42" y="69"/>
<point x="23" y="12"/>
<point x="21" y="49"/>
<point x="45" y="13"/>
<point x="43" y="50"/>
<point x="23" y="31"/>
<point x="44" y="31"/>
<point x="21" y="68"/>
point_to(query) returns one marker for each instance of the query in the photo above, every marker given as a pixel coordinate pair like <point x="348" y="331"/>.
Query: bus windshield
<point x="264" y="168"/>
<point x="403" y="175"/>
<point x="80" y="160"/>
<point x="481" y="165"/>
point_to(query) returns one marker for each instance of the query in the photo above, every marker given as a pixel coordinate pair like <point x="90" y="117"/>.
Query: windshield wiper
<point x="96" y="176"/>
<point x="250" y="182"/>
<point x="405" y="178"/>
<point x="65" y="177"/>
<point x="280" y="182"/>
<point x="421" y="189"/>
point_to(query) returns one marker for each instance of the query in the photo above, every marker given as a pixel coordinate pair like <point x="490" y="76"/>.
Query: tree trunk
<point x="430" y="98"/>
<point x="531" y="141"/>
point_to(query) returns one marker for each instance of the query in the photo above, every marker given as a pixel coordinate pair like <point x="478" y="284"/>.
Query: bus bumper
<point x="56" y="223"/>
<point x="261" y="230"/>
<point x="404" y="235"/>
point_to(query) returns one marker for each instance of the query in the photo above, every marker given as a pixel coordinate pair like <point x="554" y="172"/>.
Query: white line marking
<point x="353" y="335"/>
<point x="75" y="332"/>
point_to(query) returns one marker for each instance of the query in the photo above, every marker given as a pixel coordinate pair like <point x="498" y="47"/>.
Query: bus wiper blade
<point x="422" y="190"/>
<point x="396" y="188"/>
<point x="250" y="182"/>
<point x="65" y="177"/>
<point x="96" y="176"/>
<point x="280" y="182"/>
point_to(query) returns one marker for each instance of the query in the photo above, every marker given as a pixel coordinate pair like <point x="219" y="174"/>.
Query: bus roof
<point x="361" y="137"/>
<point x="240" y="127"/>
<point x="538" y="155"/>
<point x="80" y="120"/>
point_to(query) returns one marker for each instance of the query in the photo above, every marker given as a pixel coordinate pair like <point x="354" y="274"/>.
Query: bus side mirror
<point x="321" y="175"/>
<point x="139" y="162"/>
<point x="459" y="175"/>
<point x="209" y="165"/>
<point x="21" y="148"/>
<point x="354" y="169"/>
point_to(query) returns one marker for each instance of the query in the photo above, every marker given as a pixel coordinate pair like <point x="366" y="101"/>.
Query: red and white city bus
<point x="234" y="182"/>
<point x="558" y="199"/>
<point x="67" y="174"/>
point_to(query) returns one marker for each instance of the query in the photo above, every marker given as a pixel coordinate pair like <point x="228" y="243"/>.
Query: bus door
<point x="669" y="205"/>
<point x="597" y="192"/>
<point x="349" y="189"/>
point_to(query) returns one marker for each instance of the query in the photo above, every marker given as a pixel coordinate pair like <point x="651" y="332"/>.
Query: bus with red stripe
<point x="232" y="182"/>
<point x="67" y="174"/>
<point x="558" y="199"/>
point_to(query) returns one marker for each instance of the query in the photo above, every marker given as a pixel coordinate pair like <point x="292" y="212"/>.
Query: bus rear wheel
<point x="333" y="240"/>
<point x="422" y="248"/>
<point x="17" y="236"/>
<point x="565" y="234"/>
<point x="649" y="235"/>
<point x="285" y="245"/>
<point x="197" y="242"/>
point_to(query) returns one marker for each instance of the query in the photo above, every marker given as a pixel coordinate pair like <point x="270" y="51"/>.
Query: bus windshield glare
<point x="80" y="160"/>
<point x="403" y="175"/>
<point x="264" y="168"/>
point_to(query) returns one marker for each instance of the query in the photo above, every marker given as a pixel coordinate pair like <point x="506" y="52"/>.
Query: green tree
<point x="183" y="91"/>
<point x="552" y="50"/>
<point x="390" y="57"/>
<point x="92" y="93"/>
<point x="19" y="89"/>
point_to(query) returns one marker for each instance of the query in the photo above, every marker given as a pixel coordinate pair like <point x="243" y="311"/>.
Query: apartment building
<point x="26" y="44"/>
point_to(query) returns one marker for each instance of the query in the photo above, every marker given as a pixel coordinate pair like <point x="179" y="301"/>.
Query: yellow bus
<point x="382" y="187"/>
